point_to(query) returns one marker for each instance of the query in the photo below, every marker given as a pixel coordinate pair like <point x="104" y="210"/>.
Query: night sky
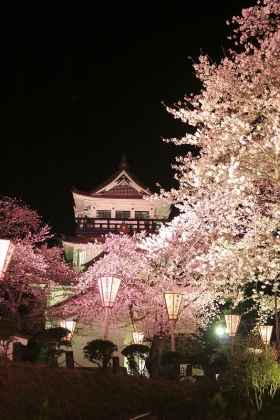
<point x="83" y="81"/>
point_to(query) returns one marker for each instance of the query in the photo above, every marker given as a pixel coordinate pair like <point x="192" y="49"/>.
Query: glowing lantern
<point x="232" y="322"/>
<point x="69" y="325"/>
<point x="6" y="251"/>
<point x="138" y="337"/>
<point x="265" y="333"/>
<point x="108" y="289"/>
<point x="173" y="302"/>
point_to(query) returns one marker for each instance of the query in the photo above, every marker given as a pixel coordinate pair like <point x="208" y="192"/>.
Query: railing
<point x="88" y="225"/>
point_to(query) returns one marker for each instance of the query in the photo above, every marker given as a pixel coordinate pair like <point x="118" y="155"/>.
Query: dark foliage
<point x="172" y="359"/>
<point x="100" y="352"/>
<point x="52" y="339"/>
<point x="136" y="353"/>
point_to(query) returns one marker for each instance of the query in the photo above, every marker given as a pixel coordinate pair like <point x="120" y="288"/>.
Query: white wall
<point x="85" y="334"/>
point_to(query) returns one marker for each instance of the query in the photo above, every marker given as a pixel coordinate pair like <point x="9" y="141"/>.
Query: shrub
<point x="100" y="352"/>
<point x="136" y="353"/>
<point x="252" y="372"/>
<point x="172" y="359"/>
<point x="52" y="339"/>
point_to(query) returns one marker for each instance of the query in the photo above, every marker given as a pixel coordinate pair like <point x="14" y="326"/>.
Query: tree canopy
<point x="35" y="268"/>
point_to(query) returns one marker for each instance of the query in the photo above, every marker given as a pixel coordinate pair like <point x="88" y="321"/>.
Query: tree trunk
<point x="152" y="361"/>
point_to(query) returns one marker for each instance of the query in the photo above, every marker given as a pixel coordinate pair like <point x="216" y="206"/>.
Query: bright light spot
<point x="220" y="330"/>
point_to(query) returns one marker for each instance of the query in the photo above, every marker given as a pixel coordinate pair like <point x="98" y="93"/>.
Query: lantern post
<point x="232" y="322"/>
<point x="6" y="251"/>
<point x="173" y="302"/>
<point x="108" y="289"/>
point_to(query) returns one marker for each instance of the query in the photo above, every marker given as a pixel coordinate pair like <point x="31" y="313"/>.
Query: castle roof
<point x="122" y="184"/>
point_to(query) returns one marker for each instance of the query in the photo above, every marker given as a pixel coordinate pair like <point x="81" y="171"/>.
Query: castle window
<point x="103" y="214"/>
<point x="141" y="214"/>
<point x="122" y="214"/>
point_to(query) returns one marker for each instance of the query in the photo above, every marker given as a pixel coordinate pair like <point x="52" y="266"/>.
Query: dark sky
<point x="83" y="81"/>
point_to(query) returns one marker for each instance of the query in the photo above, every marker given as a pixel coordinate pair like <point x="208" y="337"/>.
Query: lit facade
<point x="121" y="204"/>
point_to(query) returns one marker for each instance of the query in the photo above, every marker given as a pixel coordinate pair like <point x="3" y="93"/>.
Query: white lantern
<point x="6" y="251"/>
<point x="173" y="302"/>
<point x="232" y="322"/>
<point x="108" y="289"/>
<point x="69" y="325"/>
<point x="138" y="337"/>
<point x="265" y="333"/>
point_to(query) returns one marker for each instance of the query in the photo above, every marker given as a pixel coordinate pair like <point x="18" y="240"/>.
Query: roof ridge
<point x="123" y="169"/>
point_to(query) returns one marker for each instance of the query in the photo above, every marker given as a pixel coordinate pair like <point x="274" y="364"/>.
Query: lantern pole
<point x="173" y="301"/>
<point x="276" y="318"/>
<point x="108" y="288"/>
<point x="106" y="323"/>
<point x="232" y="345"/>
<point x="172" y="335"/>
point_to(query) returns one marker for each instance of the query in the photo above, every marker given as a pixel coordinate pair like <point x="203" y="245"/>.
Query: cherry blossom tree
<point x="236" y="114"/>
<point x="123" y="258"/>
<point x="219" y="249"/>
<point x="194" y="255"/>
<point x="235" y="120"/>
<point x="18" y="222"/>
<point x="35" y="270"/>
<point x="135" y="302"/>
<point x="145" y="277"/>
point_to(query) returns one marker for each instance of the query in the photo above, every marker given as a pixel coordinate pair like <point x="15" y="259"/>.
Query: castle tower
<point x="120" y="205"/>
